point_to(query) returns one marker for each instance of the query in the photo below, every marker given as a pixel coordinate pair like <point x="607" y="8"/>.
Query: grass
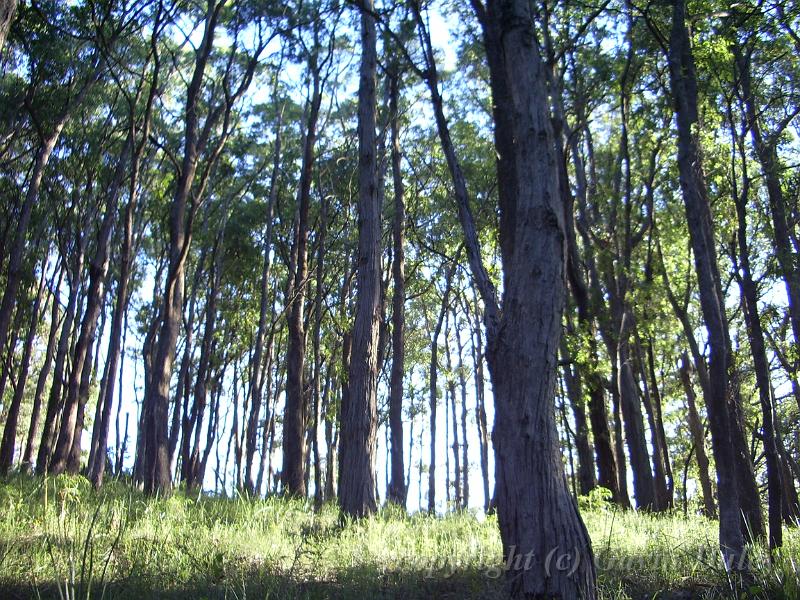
<point x="60" y="539"/>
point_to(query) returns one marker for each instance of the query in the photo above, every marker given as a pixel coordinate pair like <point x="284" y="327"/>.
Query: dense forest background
<point x="412" y="253"/>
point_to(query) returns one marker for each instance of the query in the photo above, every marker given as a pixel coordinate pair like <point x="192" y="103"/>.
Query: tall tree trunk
<point x="33" y="428"/>
<point x="397" y="490"/>
<point x="456" y="447"/>
<point x="749" y="295"/>
<point x="434" y="385"/>
<point x="8" y="445"/>
<point x="156" y="463"/>
<point x="77" y="385"/>
<point x="480" y="405"/>
<point x="766" y="152"/>
<point x="54" y="401"/>
<point x="295" y="418"/>
<point x="462" y="383"/>
<point x="537" y="514"/>
<point x="357" y="486"/>
<point x="698" y="213"/>
<point x="317" y="389"/>
<point x="258" y="369"/>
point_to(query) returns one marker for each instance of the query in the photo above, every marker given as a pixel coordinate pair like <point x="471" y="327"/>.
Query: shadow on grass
<point x="355" y="584"/>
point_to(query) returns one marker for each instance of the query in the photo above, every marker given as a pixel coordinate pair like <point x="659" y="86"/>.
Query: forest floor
<point x="60" y="539"/>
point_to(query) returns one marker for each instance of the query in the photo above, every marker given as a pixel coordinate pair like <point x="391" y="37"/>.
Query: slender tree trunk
<point x="8" y="445"/>
<point x="317" y="391"/>
<point x="766" y="152"/>
<point x="54" y="402"/>
<point x="574" y="389"/>
<point x="698" y="213"/>
<point x="749" y="295"/>
<point x="258" y="370"/>
<point x="295" y="419"/>
<point x="434" y="385"/>
<point x="156" y="460"/>
<point x="696" y="429"/>
<point x="462" y="383"/>
<point x="357" y="486"/>
<point x="480" y="407"/>
<point x="456" y="447"/>
<point x="77" y="387"/>
<point x="397" y="490"/>
<point x="33" y="428"/>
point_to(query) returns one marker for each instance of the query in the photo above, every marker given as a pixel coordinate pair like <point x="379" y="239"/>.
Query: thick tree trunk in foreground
<point x="537" y="515"/>
<point x="357" y="486"/>
<point x="698" y="214"/>
<point x="536" y="512"/>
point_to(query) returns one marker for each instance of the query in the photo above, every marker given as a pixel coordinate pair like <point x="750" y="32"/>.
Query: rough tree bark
<point x="7" y="10"/>
<point x="537" y="515"/>
<point x="357" y="486"/>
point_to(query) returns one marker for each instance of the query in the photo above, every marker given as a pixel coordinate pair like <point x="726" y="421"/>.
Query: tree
<point x="359" y="419"/>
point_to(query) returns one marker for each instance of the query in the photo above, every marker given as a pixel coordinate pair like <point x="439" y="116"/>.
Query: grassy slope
<point x="59" y="537"/>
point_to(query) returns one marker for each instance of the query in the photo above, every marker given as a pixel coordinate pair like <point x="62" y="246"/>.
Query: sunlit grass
<point x="58" y="538"/>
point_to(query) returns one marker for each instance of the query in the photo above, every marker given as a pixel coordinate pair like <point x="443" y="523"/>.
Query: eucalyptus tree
<point x="203" y="142"/>
<point x="359" y="420"/>
<point x="318" y="53"/>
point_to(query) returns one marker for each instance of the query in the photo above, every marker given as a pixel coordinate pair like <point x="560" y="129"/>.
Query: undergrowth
<point x="61" y="539"/>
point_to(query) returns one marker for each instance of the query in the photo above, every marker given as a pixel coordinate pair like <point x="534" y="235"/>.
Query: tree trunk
<point x="766" y="152"/>
<point x="258" y="370"/>
<point x="397" y="490"/>
<point x="749" y="296"/>
<point x="54" y="402"/>
<point x="33" y="428"/>
<point x="574" y="388"/>
<point x="434" y="386"/>
<point x="698" y="214"/>
<point x="462" y="383"/>
<point x="77" y="386"/>
<point x="480" y="406"/>
<point x="536" y="512"/>
<point x="156" y="465"/>
<point x="296" y="412"/>
<point x="696" y="429"/>
<point x="8" y="444"/>
<point x="7" y="10"/>
<point x="357" y="486"/>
